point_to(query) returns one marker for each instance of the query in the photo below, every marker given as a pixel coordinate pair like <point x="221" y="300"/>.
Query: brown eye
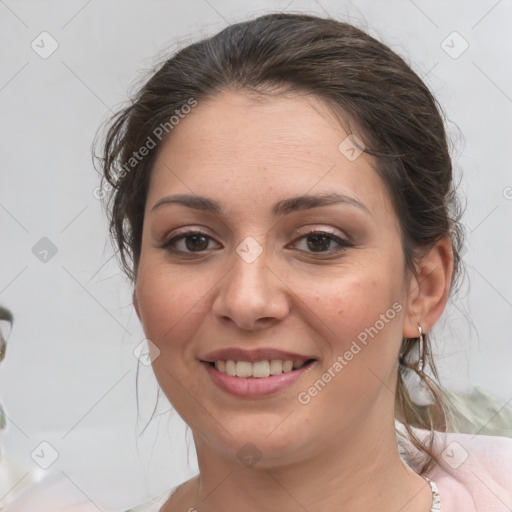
<point x="319" y="242"/>
<point x="196" y="242"/>
<point x="188" y="242"/>
<point x="322" y="242"/>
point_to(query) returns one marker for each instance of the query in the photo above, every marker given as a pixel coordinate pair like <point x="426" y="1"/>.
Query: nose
<point x="252" y="295"/>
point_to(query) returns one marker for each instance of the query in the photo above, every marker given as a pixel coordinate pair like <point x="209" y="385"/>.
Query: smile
<point x="258" y="369"/>
<point x="255" y="380"/>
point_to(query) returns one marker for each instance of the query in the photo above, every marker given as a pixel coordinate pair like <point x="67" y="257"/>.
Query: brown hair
<point x="361" y="79"/>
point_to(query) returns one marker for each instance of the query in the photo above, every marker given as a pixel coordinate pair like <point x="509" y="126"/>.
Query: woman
<point x="282" y="199"/>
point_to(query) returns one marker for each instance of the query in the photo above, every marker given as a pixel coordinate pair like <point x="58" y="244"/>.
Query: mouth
<point x="258" y="379"/>
<point x="258" y="369"/>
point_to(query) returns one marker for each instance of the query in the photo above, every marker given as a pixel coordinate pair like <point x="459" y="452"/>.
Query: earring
<point x="420" y="350"/>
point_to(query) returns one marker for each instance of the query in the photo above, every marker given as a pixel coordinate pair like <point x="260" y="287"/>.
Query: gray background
<point x="69" y="375"/>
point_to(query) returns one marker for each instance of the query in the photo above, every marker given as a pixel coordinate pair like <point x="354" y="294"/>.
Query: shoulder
<point x="477" y="472"/>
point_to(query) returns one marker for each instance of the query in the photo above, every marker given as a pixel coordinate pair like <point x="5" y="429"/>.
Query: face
<point x="257" y="269"/>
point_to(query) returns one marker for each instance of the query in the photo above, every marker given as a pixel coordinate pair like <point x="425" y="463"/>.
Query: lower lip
<point x="254" y="387"/>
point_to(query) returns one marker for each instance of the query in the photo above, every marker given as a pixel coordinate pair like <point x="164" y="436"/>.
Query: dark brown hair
<point x="364" y="82"/>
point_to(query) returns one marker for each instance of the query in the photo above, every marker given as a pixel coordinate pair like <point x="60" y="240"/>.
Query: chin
<point x="265" y="446"/>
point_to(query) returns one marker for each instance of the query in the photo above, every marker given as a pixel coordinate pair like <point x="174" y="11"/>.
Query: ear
<point x="135" y="302"/>
<point x="429" y="289"/>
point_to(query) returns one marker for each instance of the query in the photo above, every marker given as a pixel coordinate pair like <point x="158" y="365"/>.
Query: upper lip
<point x="259" y="354"/>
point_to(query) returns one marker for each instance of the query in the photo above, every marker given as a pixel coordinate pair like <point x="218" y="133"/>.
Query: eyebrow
<point x="282" y="207"/>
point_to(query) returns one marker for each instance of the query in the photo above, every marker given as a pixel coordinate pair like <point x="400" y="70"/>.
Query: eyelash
<point x="342" y="244"/>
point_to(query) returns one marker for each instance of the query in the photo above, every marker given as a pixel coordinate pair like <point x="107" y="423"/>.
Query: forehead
<point x="263" y="146"/>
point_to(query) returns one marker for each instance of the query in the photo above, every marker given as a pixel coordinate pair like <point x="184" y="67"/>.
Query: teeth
<point x="287" y="366"/>
<point x="276" y="367"/>
<point x="230" y="367"/>
<point x="259" y="369"/>
<point x="243" y="369"/>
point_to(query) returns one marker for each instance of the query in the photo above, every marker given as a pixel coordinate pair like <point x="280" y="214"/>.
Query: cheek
<point x="351" y="304"/>
<point x="168" y="305"/>
<point x="359" y="319"/>
<point x="361" y="314"/>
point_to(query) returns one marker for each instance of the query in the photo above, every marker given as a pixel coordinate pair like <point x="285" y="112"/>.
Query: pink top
<point x="478" y="477"/>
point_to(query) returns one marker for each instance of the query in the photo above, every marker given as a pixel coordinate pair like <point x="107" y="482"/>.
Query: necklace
<point x="436" y="500"/>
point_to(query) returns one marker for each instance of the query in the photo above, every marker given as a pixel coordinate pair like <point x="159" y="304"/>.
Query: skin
<point x="339" y="451"/>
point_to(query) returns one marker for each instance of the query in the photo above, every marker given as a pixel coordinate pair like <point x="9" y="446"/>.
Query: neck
<point x="358" y="471"/>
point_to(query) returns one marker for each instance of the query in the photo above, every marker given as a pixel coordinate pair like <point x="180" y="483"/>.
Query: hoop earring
<point x="420" y="364"/>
